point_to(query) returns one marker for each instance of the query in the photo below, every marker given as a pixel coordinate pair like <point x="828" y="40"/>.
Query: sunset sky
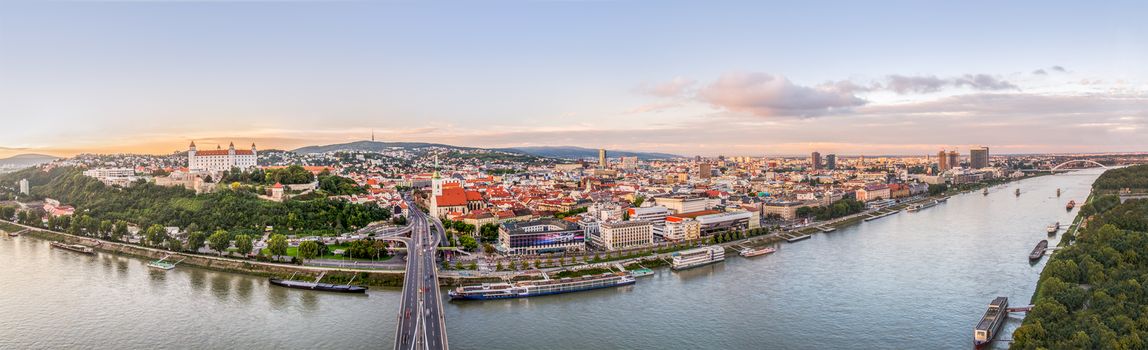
<point x="705" y="77"/>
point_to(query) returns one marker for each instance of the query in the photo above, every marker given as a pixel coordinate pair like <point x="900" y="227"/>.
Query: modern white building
<point x="24" y="188"/>
<point x="656" y="215"/>
<point x="219" y="160"/>
<point x="682" y="204"/>
<point x="615" y="235"/>
<point x="681" y="229"/>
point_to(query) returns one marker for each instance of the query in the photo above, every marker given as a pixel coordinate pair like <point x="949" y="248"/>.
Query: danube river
<point x="908" y="281"/>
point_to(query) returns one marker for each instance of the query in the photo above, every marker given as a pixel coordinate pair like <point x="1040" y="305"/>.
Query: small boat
<point x="1038" y="251"/>
<point x="642" y="272"/>
<point x="749" y="253"/>
<point x="1071" y="204"/>
<point x="985" y="192"/>
<point x="1052" y="228"/>
<point x="942" y="199"/>
<point x="13" y="234"/>
<point x="1018" y="192"/>
<point x="1058" y="192"/>
<point x="326" y="287"/>
<point x="162" y="264"/>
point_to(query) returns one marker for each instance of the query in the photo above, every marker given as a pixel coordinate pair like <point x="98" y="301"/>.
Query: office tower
<point x="602" y="158"/>
<point x="815" y="159"/>
<point x="979" y="158"/>
<point x="831" y="161"/>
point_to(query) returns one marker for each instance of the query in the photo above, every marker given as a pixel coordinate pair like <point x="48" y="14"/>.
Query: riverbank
<point x="380" y="278"/>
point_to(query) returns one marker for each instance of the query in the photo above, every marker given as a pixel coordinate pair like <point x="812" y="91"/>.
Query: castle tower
<point x="191" y="156"/>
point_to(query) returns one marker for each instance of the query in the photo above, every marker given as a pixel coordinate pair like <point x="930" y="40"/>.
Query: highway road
<point x="421" y="324"/>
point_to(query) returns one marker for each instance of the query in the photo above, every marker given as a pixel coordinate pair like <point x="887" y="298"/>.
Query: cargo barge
<point x="1038" y="251"/>
<point x="991" y="322"/>
<point x="73" y="247"/>
<point x="697" y="257"/>
<point x="493" y="291"/>
<point x="325" y="287"/>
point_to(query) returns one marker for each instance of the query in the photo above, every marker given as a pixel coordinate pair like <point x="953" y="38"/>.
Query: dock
<point x="826" y="229"/>
<point x="792" y="239"/>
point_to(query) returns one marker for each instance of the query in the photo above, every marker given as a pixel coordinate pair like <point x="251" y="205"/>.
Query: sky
<point x="692" y="78"/>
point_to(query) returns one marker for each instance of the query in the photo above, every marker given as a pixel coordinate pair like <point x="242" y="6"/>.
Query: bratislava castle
<point x="221" y="159"/>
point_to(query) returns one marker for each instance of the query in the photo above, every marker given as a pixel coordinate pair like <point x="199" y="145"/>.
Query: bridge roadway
<point x="421" y="324"/>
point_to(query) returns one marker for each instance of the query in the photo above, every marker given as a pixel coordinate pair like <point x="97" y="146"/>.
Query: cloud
<point x="1059" y="69"/>
<point x="1039" y="72"/>
<point x="652" y="107"/>
<point x="768" y="95"/>
<point x="902" y="84"/>
<point x="673" y="88"/>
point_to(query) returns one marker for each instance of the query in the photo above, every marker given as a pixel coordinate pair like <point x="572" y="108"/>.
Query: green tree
<point x="174" y="245"/>
<point x="243" y="244"/>
<point x="277" y="245"/>
<point x="155" y="235"/>
<point x="308" y="250"/>
<point x="195" y="240"/>
<point x="219" y="241"/>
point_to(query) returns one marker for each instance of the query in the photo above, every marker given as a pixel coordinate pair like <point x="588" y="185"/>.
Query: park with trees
<point x="1090" y="294"/>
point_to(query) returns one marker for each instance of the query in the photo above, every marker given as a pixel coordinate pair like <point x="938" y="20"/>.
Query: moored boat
<point x="749" y="253"/>
<point x="1071" y="204"/>
<point x="78" y="248"/>
<point x="326" y="287"/>
<point x="991" y="322"/>
<point x="697" y="257"/>
<point x="1038" y="251"/>
<point x="642" y="272"/>
<point x="1018" y="192"/>
<point x="523" y="289"/>
<point x="1052" y="228"/>
<point x="985" y="192"/>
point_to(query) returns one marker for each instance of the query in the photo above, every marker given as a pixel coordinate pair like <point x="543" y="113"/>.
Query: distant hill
<point x="370" y="146"/>
<point x="25" y="160"/>
<point x="570" y="152"/>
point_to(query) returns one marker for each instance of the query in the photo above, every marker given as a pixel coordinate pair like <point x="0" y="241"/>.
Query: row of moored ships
<point x="490" y="291"/>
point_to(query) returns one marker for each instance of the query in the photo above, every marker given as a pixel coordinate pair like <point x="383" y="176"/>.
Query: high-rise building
<point x="704" y="170"/>
<point x="24" y="187"/>
<point x="954" y="159"/>
<point x="942" y="161"/>
<point x="602" y="158"/>
<point x="831" y="161"/>
<point x="979" y="158"/>
<point x="815" y="159"/>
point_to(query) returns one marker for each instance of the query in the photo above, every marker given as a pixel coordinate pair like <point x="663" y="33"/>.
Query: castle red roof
<point x="223" y="152"/>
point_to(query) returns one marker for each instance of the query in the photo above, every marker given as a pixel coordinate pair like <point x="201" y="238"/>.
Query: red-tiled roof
<point x="473" y="196"/>
<point x="450" y="197"/>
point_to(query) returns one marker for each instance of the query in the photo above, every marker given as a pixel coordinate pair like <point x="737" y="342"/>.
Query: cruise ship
<point x="492" y="291"/>
<point x="991" y="322"/>
<point x="697" y="257"/>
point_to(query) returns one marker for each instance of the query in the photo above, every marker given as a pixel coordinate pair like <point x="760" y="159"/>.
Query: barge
<point x="78" y="248"/>
<point x="1052" y="228"/>
<point x="1038" y="251"/>
<point x="324" y="287"/>
<point x="493" y="291"/>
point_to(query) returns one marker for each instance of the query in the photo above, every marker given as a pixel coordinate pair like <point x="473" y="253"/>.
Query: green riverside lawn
<point x="1091" y="293"/>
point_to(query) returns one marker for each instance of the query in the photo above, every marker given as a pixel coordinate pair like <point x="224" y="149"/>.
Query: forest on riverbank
<point x="1091" y="293"/>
